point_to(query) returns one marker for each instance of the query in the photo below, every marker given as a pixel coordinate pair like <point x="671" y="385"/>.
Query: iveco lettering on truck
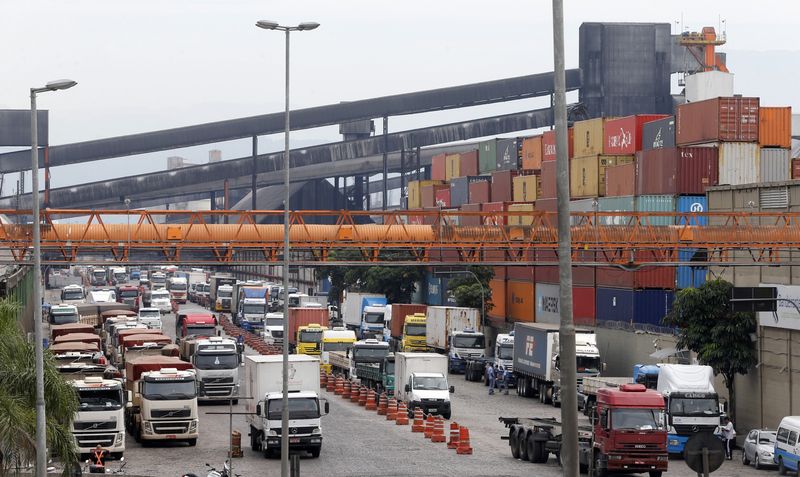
<point x="263" y="382"/>
<point x="692" y="402"/>
<point x="101" y="415"/>
<point x="365" y="313"/>
<point x="455" y="331"/>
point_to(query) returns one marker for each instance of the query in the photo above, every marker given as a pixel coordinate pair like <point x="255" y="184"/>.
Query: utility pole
<point x="566" y="338"/>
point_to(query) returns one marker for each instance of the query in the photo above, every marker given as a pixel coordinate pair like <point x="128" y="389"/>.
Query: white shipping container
<point x="739" y="163"/>
<point x="442" y="320"/>
<point x="775" y="164"/>
<point x="263" y="375"/>
<point x="795" y="124"/>
<point x="547" y="309"/>
<point x="581" y="205"/>
<point x="708" y="85"/>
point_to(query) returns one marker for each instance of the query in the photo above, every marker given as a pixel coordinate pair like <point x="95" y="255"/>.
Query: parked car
<point x="759" y="448"/>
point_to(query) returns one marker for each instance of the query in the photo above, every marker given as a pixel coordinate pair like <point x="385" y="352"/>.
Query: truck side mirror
<point x="604" y="419"/>
<point x="605" y="366"/>
<point x="408" y="388"/>
<point x="130" y="396"/>
<point x="452" y="389"/>
<point x="327" y="407"/>
<point x="258" y="409"/>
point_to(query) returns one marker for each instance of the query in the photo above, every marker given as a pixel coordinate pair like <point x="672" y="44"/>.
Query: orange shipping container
<point x="532" y="151"/>
<point x="303" y="317"/>
<point x="521" y="301"/>
<point x="775" y="127"/>
<point x="498" y="311"/>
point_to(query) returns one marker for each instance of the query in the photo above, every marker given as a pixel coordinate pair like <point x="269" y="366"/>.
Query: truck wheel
<point x="255" y="439"/>
<point x="522" y="443"/>
<point x="542" y="394"/>
<point x="542" y="452"/>
<point x="533" y="450"/>
<point x="599" y="471"/>
<point x="512" y="441"/>
<point x="655" y="473"/>
<point x="315" y="452"/>
<point x="781" y="467"/>
<point x="137" y="433"/>
<point x="192" y="442"/>
<point x="447" y="415"/>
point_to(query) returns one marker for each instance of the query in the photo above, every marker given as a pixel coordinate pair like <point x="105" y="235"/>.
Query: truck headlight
<point x="673" y="442"/>
<point x="148" y="428"/>
<point x="271" y="433"/>
<point x="119" y="439"/>
<point x="767" y="454"/>
<point x="193" y="426"/>
<point x="316" y="430"/>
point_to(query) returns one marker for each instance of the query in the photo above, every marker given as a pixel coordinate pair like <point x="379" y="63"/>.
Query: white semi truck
<point x="216" y="362"/>
<point x="456" y="332"/>
<point x="421" y="380"/>
<point x="100" y="419"/>
<point x="264" y="384"/>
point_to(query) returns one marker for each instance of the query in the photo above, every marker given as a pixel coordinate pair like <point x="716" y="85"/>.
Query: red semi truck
<point x="627" y="435"/>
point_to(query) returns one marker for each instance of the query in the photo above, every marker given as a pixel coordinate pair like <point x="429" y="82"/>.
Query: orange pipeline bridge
<point x="624" y="239"/>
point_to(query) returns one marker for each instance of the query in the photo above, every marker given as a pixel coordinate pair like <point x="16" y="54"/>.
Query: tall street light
<point x="41" y="423"/>
<point x="270" y="25"/>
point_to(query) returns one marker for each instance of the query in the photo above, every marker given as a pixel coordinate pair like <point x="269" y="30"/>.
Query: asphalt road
<point x="361" y="443"/>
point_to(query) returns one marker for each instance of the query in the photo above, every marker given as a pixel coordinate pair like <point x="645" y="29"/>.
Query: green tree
<point x="720" y="337"/>
<point x="18" y="398"/>
<point x="467" y="291"/>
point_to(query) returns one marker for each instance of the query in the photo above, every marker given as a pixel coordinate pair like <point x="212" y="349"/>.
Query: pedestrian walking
<point x="502" y="380"/>
<point x="728" y="435"/>
<point x="491" y="377"/>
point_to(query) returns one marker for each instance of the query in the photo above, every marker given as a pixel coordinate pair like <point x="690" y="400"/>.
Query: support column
<point x="419" y="167"/>
<point x="368" y="205"/>
<point x="226" y="198"/>
<point x="213" y="197"/>
<point x="336" y="193"/>
<point x="358" y="192"/>
<point x="385" y="163"/>
<point x="402" y="175"/>
<point x="46" y="177"/>
<point x="254" y="174"/>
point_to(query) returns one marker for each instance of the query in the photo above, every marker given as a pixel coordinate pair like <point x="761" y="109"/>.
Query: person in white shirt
<point x="728" y="434"/>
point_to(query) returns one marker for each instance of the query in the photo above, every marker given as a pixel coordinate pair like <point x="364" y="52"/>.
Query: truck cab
<point x="414" y="333"/>
<point x="646" y="374"/>
<point x="73" y="295"/>
<point x="198" y="325"/>
<point x="337" y="339"/>
<point x="129" y="295"/>
<point x="150" y="317"/>
<point x="309" y="338"/>
<point x="421" y="380"/>
<point x="101" y="415"/>
<point x="465" y="344"/>
<point x="63" y="313"/>
<point x="373" y="321"/>
<point x="178" y="289"/>
<point x="118" y="275"/>
<point x="160" y="299"/>
<point x="273" y="328"/>
<point x="629" y="432"/>
<point x="216" y="362"/>
<point x="158" y="280"/>
<point x="223" y="300"/>
<point x="99" y="277"/>
<point x="251" y="307"/>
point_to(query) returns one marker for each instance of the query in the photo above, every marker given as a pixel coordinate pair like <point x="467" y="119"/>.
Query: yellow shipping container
<point x="520" y="219"/>
<point x="588" y="174"/>
<point x="452" y="166"/>
<point x="588" y="138"/>
<point x="524" y="188"/>
<point x="414" y="196"/>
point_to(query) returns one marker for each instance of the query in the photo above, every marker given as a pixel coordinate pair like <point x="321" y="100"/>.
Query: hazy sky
<point x="146" y="65"/>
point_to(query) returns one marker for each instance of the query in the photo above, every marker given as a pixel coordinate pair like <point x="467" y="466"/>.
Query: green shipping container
<point x="657" y="203"/>
<point x="625" y="203"/>
<point x="487" y="156"/>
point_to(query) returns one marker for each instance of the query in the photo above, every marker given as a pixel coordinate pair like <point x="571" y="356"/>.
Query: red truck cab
<point x="129" y="294"/>
<point x="630" y="434"/>
<point x="198" y="324"/>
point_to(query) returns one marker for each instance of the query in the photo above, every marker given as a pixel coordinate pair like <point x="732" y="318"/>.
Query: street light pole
<point x="41" y="417"/>
<point x="270" y="25"/>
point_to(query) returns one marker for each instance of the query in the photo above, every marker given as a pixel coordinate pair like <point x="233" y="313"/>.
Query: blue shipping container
<point x="436" y="291"/>
<point x="692" y="203"/>
<point x="633" y="306"/>
<point x="689" y="277"/>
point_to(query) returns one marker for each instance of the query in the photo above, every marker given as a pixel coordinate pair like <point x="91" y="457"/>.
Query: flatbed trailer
<point x="535" y="438"/>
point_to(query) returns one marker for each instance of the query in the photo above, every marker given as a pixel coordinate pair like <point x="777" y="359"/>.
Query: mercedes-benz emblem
<point x="695" y="428"/>
<point x="293" y="430"/>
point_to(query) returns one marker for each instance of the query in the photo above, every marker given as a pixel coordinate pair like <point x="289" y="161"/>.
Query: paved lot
<point x="360" y="443"/>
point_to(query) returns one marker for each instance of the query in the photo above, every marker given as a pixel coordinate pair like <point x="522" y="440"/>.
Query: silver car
<point x="759" y="446"/>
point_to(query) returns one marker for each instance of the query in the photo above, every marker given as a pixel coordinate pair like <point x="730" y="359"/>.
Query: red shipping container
<point x="502" y="186"/>
<point x="682" y="170"/>
<point x="548" y="190"/>
<point x="583" y="306"/>
<point x="623" y="136"/>
<point x="795" y="168"/>
<point x="469" y="164"/>
<point x="621" y="180"/>
<point x="494" y="207"/>
<point x="734" y="119"/>
<point x="522" y="273"/>
<point x="438" y="167"/>
<point x="428" y="194"/>
<point x="646" y="277"/>
<point x="500" y="273"/>
<point x="305" y="316"/>
<point x="471" y="220"/>
<point x="480" y="192"/>
<point x="581" y="276"/>
<point x="546" y="205"/>
<point x="399" y="313"/>
<point x="443" y="197"/>
<point x="414" y="219"/>
<point x="549" y="145"/>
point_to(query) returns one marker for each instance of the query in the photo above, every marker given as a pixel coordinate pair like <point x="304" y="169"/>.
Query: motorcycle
<point x="104" y="468"/>
<point x="225" y="472"/>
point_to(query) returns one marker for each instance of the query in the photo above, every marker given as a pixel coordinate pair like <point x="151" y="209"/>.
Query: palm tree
<point x="17" y="400"/>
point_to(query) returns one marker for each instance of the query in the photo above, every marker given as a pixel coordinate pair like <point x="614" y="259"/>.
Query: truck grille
<point x="642" y="447"/>
<point x="170" y="427"/>
<point x="470" y="355"/>
<point x="94" y="426"/>
<point x="687" y="429"/>
<point x="431" y="401"/>
<point x="297" y="430"/>
<point x="170" y="414"/>
<point x="223" y="380"/>
<point x="91" y="440"/>
<point x="277" y="334"/>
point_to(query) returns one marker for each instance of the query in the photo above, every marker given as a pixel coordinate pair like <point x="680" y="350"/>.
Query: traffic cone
<point x="383" y="405"/>
<point x="371" y="405"/>
<point x="464" y="447"/>
<point x="453" y="444"/>
<point x="391" y="410"/>
<point x="323" y="380"/>
<point x="419" y="421"/>
<point x="339" y="388"/>
<point x="346" y="393"/>
<point x="362" y="398"/>
<point x="354" y="395"/>
<point x="331" y="384"/>
<point x="428" y="432"/>
<point x="402" y="414"/>
<point x="438" y="430"/>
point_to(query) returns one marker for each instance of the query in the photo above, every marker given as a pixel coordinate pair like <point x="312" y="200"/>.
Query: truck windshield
<point x="178" y="287"/>
<point x="165" y="390"/>
<point x="63" y="318"/>
<point x="430" y="383"/>
<point x="274" y="321"/>
<point x="310" y="336"/>
<point x="149" y="314"/>
<point x="72" y="295"/>
<point x="99" y="399"/>
<point x="201" y="330"/>
<point x="588" y="364"/>
<point x="466" y="341"/>
<point x="637" y="419"/>
<point x="129" y="293"/>
<point x="336" y="346"/>
<point x="294" y="301"/>
<point x="388" y="367"/>
<point x="373" y="318"/>
<point x="216" y="361"/>
<point x="506" y="352"/>
<point x="120" y="276"/>
<point x="693" y="406"/>
<point x="100" y="275"/>
<point x="361" y="353"/>
<point x="159" y="296"/>
<point x="299" y="408"/>
<point x="257" y="309"/>
<point x="415" y="330"/>
<point x="224" y="293"/>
